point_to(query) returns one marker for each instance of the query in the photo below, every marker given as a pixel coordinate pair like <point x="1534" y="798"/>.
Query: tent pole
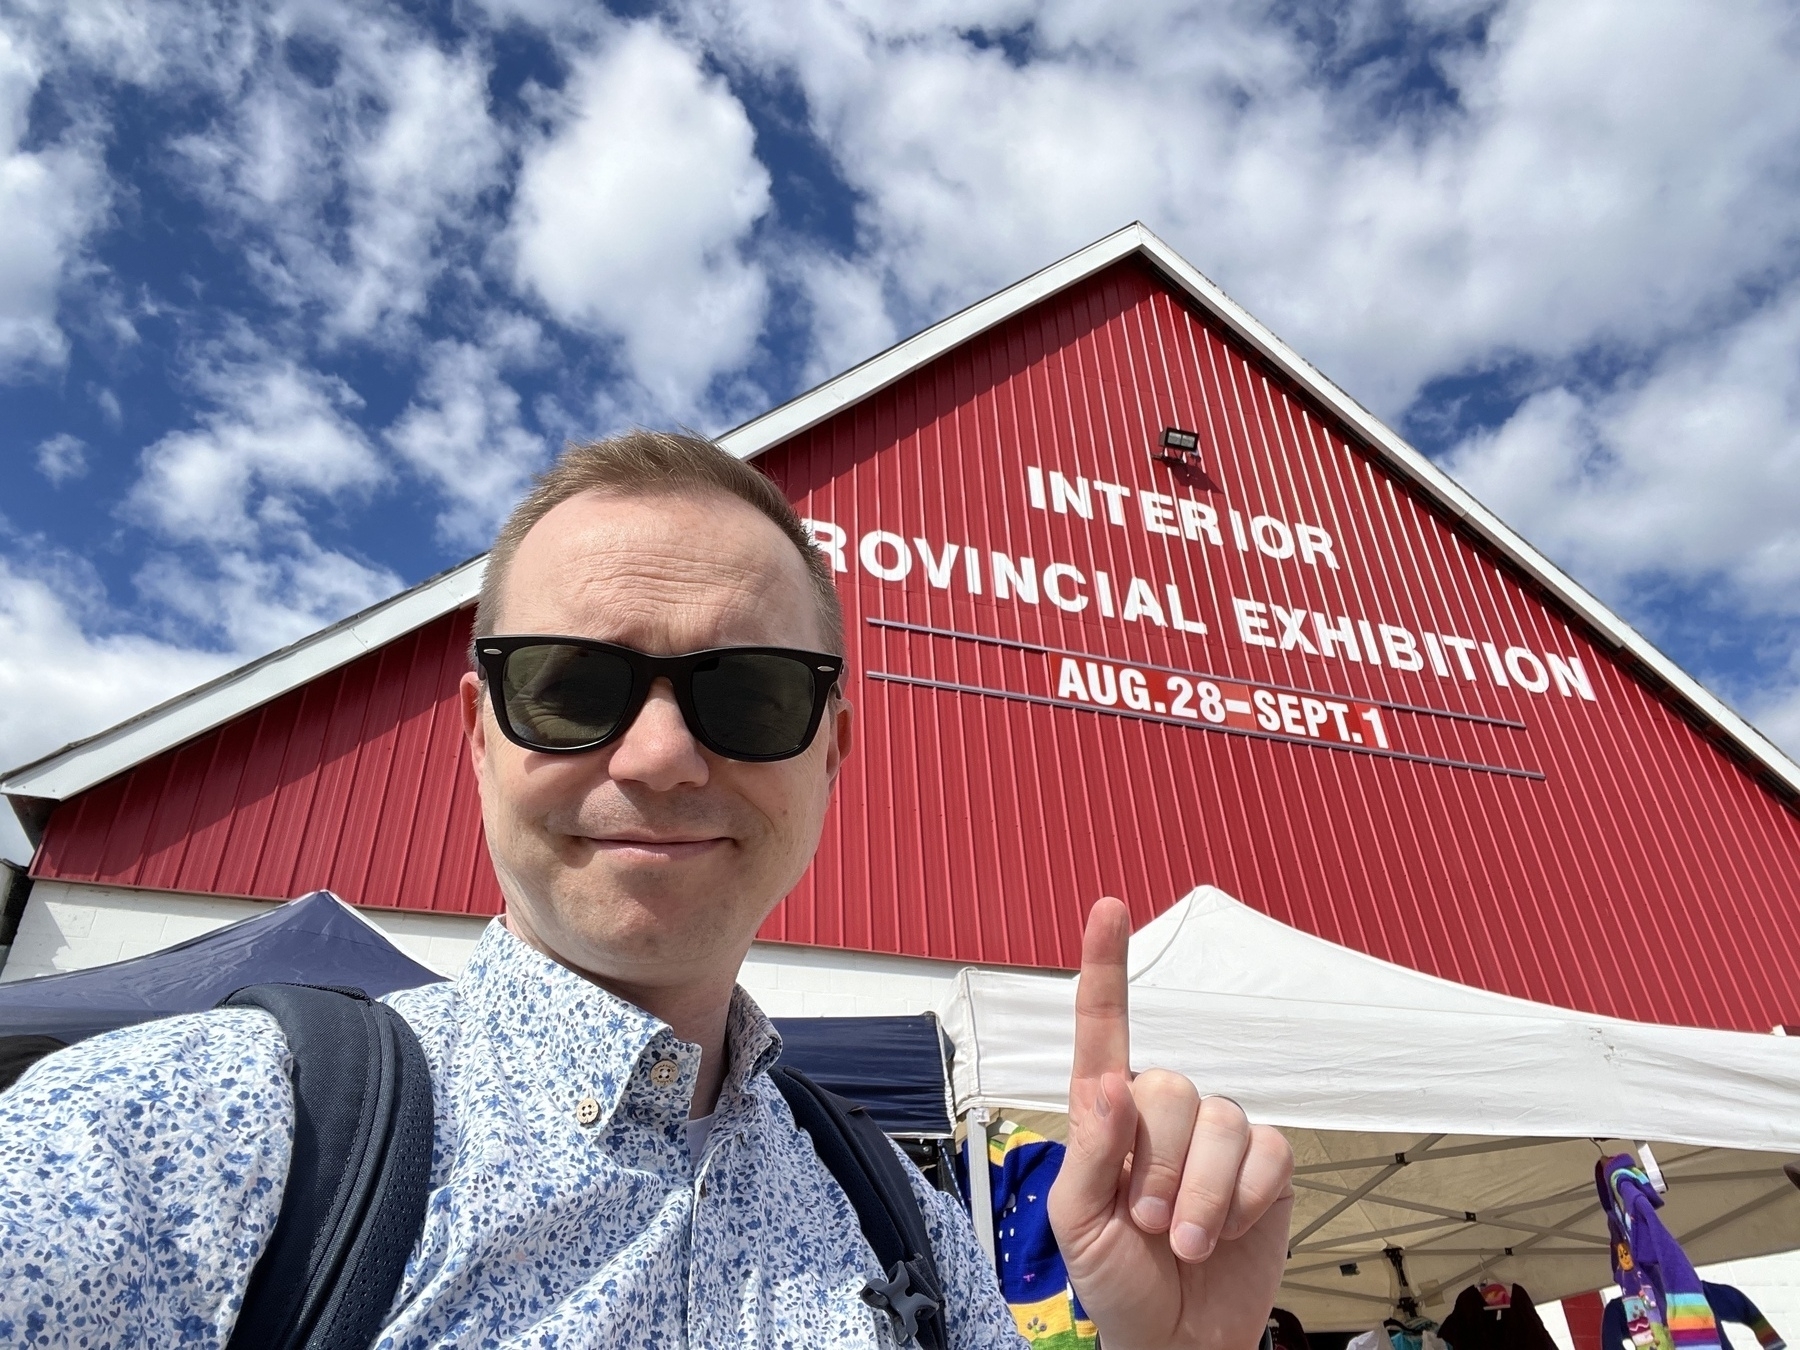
<point x="981" y="1195"/>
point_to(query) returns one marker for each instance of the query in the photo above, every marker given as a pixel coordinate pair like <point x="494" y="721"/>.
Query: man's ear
<point x="840" y="724"/>
<point x="469" y="703"/>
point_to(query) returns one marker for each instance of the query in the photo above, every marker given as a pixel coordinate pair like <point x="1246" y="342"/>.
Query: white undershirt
<point x="699" y="1128"/>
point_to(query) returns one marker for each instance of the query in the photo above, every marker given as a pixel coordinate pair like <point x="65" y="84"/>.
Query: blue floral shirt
<point x="141" y="1173"/>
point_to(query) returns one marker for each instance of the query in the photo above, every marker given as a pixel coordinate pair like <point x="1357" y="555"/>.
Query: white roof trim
<point x="1613" y="630"/>
<point x="77" y="767"/>
<point x="82" y="765"/>
<point x="900" y="360"/>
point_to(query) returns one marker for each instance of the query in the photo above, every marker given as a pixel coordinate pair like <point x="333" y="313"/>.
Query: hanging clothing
<point x="1033" y="1280"/>
<point x="1416" y="1335"/>
<point x="1473" y="1325"/>
<point x="1728" y="1304"/>
<point x="1285" y="1331"/>
<point x="1664" y="1305"/>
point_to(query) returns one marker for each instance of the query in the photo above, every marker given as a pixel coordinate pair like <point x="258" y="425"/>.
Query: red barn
<point x="1137" y="600"/>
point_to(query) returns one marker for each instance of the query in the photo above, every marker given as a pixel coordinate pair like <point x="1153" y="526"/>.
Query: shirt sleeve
<point x="977" y="1318"/>
<point x="141" y="1174"/>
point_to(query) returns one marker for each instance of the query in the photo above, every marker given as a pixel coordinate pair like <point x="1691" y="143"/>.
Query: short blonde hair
<point x="656" y="463"/>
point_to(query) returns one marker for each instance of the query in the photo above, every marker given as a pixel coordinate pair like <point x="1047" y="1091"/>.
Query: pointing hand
<point x="1171" y="1209"/>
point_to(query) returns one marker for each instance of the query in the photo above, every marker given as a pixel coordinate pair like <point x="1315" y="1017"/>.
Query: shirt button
<point x="664" y="1072"/>
<point x="588" y="1111"/>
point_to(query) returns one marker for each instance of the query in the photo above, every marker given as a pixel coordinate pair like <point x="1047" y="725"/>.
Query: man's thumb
<point x="1101" y="1132"/>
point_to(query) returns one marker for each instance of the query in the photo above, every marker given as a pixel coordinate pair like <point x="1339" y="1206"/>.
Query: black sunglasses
<point x="564" y="695"/>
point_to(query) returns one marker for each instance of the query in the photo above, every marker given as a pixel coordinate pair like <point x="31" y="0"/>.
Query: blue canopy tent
<point x="893" y="1065"/>
<point x="317" y="939"/>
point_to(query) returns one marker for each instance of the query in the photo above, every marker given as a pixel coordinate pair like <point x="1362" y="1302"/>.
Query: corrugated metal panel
<point x="1512" y="840"/>
<point x="357" y="782"/>
<point x="978" y="826"/>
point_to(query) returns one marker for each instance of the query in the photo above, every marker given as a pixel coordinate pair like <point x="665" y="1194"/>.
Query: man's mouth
<point x="646" y="847"/>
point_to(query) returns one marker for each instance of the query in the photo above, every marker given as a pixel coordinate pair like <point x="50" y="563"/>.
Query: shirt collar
<point x="562" y="1033"/>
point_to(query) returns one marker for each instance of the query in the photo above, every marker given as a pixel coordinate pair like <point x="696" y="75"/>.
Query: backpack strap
<point x="19" y="1053"/>
<point x="354" y="1202"/>
<point x="861" y="1159"/>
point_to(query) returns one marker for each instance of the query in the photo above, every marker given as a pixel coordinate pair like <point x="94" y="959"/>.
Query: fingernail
<point x="1152" y="1213"/>
<point x="1102" y="1107"/>
<point x="1191" y="1242"/>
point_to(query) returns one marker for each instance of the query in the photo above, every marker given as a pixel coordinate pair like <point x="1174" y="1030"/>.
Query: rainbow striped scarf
<point x="1665" y="1308"/>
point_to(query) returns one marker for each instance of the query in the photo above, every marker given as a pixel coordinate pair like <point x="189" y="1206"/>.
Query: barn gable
<point x="1291" y="660"/>
<point x="356" y="781"/>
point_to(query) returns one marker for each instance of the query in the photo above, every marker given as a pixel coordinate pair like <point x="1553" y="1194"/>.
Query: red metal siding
<point x="978" y="825"/>
<point x="983" y="810"/>
<point x="357" y="782"/>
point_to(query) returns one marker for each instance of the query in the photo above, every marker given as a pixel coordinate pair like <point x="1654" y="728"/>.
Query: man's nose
<point x="657" y="749"/>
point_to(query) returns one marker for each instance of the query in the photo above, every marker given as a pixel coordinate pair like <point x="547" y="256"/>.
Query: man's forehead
<point x="615" y="559"/>
<point x="610" y="527"/>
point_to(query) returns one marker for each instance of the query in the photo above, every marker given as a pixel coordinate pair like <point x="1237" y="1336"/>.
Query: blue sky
<point x="294" y="297"/>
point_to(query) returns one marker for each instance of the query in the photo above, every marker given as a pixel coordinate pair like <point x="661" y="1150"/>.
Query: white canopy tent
<point x="1443" y="1134"/>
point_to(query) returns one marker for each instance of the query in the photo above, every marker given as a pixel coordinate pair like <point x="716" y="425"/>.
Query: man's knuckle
<point x="1161" y="1087"/>
<point x="1273" y="1145"/>
<point x="1205" y="1199"/>
<point x="1223" y="1118"/>
<point x="1158" y="1176"/>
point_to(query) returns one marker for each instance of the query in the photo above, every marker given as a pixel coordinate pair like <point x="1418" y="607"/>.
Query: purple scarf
<point x="1665" y="1308"/>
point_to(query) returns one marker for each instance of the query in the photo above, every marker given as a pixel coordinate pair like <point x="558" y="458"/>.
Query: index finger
<point x="1102" y="1003"/>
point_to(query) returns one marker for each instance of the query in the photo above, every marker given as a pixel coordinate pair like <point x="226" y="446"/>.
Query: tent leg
<point x="981" y="1195"/>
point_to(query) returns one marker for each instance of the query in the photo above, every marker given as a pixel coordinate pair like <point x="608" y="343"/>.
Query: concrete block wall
<point x="790" y="981"/>
<point x="72" y="927"/>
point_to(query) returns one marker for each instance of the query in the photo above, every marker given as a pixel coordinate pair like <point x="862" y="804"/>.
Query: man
<point x="612" y="1165"/>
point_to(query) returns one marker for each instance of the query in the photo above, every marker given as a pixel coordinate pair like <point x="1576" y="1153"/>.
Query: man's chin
<point x="653" y="914"/>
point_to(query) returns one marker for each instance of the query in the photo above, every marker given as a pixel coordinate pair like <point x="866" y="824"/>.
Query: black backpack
<point x="357" y="1184"/>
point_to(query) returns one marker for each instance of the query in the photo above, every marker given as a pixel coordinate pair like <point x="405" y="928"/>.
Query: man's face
<point x="651" y="862"/>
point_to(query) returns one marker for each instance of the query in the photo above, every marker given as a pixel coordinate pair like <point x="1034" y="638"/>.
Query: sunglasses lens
<point x="755" y="705"/>
<point x="560" y="697"/>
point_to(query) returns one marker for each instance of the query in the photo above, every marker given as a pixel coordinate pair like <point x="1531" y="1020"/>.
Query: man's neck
<point x="697" y="1013"/>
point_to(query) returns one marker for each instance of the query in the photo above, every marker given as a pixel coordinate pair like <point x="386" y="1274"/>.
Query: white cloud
<point x="1775" y="710"/>
<point x="1690" y="472"/>
<point x="352" y="194"/>
<point x="462" y="432"/>
<point x="254" y="601"/>
<point x="62" y="457"/>
<point x="61" y="680"/>
<point x="850" y="321"/>
<point x="227" y="502"/>
<point x="279" y="433"/>
<point x="1592" y="181"/>
<point x="50" y="199"/>
<point x="417" y="175"/>
<point x="145" y="42"/>
<point x="631" y="217"/>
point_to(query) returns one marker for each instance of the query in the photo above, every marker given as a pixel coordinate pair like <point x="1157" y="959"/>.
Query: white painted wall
<point x="72" y="926"/>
